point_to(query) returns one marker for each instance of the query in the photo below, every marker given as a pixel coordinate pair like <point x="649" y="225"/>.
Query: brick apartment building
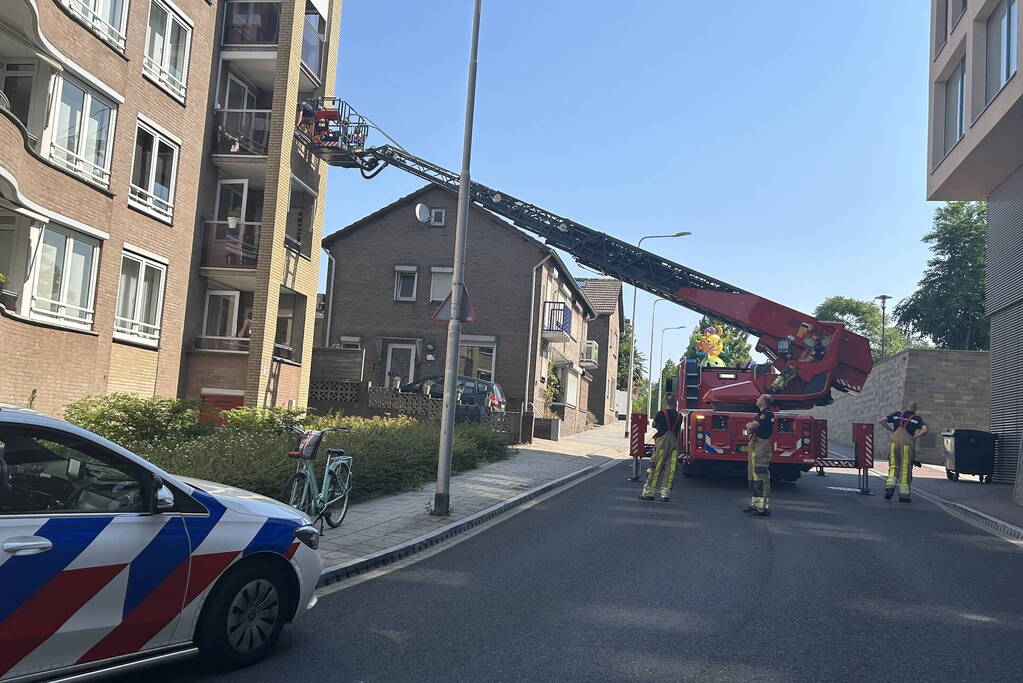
<point x="975" y="152"/>
<point x="605" y="330"/>
<point x="108" y="178"/>
<point x="392" y="272"/>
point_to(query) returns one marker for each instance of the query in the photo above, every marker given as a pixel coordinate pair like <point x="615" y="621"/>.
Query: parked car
<point x="475" y="396"/>
<point x="107" y="560"/>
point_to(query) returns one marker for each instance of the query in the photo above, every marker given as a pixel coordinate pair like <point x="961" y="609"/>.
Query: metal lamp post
<point x="884" y="301"/>
<point x="649" y="385"/>
<point x="442" y="498"/>
<point x="682" y="327"/>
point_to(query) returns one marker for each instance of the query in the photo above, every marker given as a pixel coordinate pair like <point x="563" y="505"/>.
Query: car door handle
<point x="26" y="545"/>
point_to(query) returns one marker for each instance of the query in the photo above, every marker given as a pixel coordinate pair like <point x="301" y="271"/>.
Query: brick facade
<point x="606" y="330"/>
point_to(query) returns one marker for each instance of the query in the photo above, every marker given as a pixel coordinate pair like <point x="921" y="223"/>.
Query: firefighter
<point x="760" y="429"/>
<point x="668" y="424"/>
<point x="906" y="427"/>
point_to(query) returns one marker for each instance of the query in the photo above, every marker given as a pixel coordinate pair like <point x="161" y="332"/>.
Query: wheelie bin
<point x="969" y="451"/>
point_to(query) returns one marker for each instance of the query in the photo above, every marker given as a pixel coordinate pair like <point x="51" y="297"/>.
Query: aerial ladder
<point x="808" y="357"/>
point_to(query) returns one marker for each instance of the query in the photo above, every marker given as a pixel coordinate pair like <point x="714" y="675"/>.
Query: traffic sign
<point x="443" y="312"/>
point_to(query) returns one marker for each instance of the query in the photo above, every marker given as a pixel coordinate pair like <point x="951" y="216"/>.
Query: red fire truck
<point x="808" y="358"/>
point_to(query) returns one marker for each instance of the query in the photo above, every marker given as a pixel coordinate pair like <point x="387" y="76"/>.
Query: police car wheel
<point x="243" y="617"/>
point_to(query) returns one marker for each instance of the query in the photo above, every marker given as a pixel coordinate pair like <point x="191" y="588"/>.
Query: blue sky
<point x="789" y="139"/>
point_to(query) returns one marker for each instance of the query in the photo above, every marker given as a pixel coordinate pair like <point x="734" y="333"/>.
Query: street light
<point x="884" y="301"/>
<point x="632" y="348"/>
<point x="649" y="385"/>
<point x="442" y="498"/>
<point x="682" y="327"/>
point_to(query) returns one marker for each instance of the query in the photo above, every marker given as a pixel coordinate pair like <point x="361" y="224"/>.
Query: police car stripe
<point x="200" y="527"/>
<point x="158" y="560"/>
<point x="30" y="573"/>
<point x="120" y="541"/>
<point x="275" y="536"/>
<point x="45" y="612"/>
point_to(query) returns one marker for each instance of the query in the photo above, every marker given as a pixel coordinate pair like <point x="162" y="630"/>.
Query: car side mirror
<point x="163" y="497"/>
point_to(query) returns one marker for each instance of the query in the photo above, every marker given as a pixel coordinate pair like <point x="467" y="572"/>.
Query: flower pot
<point x="232" y="223"/>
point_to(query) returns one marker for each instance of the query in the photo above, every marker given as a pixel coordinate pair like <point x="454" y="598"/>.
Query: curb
<point x="340" y="572"/>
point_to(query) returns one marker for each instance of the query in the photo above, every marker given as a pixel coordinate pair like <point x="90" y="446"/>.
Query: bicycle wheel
<point x="339" y="485"/>
<point x="295" y="492"/>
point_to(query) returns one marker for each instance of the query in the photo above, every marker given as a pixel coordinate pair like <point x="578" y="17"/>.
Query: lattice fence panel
<point x="333" y="391"/>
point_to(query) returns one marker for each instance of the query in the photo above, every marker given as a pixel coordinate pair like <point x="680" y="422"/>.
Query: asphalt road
<point x="596" y="585"/>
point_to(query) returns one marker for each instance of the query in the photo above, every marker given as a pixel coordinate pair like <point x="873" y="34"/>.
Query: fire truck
<point x="807" y="358"/>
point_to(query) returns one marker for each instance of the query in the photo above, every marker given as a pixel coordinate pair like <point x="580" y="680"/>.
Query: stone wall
<point x="952" y="389"/>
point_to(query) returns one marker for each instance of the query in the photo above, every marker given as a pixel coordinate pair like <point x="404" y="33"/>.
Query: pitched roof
<point x="603" y="293"/>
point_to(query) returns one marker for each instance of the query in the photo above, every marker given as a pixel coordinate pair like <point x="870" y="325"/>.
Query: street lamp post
<point x="649" y="385"/>
<point x="884" y="301"/>
<point x="442" y="498"/>
<point x="682" y="327"/>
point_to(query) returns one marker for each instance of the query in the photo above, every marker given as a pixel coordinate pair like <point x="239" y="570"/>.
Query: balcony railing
<point x="557" y="321"/>
<point x="99" y="24"/>
<point x="136" y="329"/>
<point x="241" y="131"/>
<point x="225" y="246"/>
<point x="210" y="343"/>
<point x="252" y="23"/>
<point x="159" y="73"/>
<point x="148" y="201"/>
<point x="79" y="165"/>
<point x="590" y="357"/>
<point x="284" y="352"/>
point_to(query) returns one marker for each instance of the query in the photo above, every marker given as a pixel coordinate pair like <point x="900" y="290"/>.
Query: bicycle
<point x="329" y="501"/>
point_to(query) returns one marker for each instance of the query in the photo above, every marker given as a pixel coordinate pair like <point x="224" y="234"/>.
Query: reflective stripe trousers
<point x="760" y="473"/>
<point x="901" y="454"/>
<point x="662" y="470"/>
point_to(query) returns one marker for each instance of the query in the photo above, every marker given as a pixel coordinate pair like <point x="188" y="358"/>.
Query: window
<point x="405" y="283"/>
<point x="54" y="473"/>
<point x="284" y="346"/>
<point x="956" y="10"/>
<point x="18" y="79"/>
<point x="65" y="277"/>
<point x="437" y="217"/>
<point x="139" y="299"/>
<point x="7" y="248"/>
<point x="167" y="43"/>
<point x="252" y="23"/>
<point x="350" y="342"/>
<point x="940" y="25"/>
<point x="153" y="172"/>
<point x="313" y="36"/>
<point x="221" y="319"/>
<point x="476" y="360"/>
<point x="1001" y="48"/>
<point x="83" y="132"/>
<point x="440" y="283"/>
<point x="955" y="91"/>
<point x="568" y="391"/>
<point x="106" y="18"/>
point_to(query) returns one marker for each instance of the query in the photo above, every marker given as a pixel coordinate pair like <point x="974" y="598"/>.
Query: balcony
<point x="284" y="352"/>
<point x="241" y="132"/>
<point x="557" y="322"/>
<point x="230" y="246"/>
<point x="230" y="344"/>
<point x="590" y="357"/>
<point x="251" y="23"/>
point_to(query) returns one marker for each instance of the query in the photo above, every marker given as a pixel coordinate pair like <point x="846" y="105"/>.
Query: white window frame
<point x="135" y="329"/>
<point x="483" y="344"/>
<point x="244" y="182"/>
<point x="60" y="316"/>
<point x="5" y="72"/>
<point x="72" y="159"/>
<point x="143" y="198"/>
<point x="158" y="72"/>
<point x="1006" y="62"/>
<point x="563" y="372"/>
<point x="351" y="343"/>
<point x="87" y="11"/>
<point x="437" y="217"/>
<point x="433" y="277"/>
<point x="233" y="294"/>
<point x="412" y="360"/>
<point x="405" y="270"/>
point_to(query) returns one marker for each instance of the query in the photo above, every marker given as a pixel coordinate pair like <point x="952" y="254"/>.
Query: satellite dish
<point x="422" y="213"/>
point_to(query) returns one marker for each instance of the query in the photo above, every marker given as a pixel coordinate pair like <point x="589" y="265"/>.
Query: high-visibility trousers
<point x="661" y="476"/>
<point x="901" y="454"/>
<point x="760" y="473"/>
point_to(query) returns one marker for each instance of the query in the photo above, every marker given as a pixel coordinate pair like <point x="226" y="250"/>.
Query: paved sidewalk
<point x="388" y="521"/>
<point x="991" y="499"/>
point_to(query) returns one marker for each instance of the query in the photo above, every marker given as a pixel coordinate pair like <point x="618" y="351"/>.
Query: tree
<point x="734" y="341"/>
<point x="864" y="318"/>
<point x="948" y="307"/>
<point x="639" y="371"/>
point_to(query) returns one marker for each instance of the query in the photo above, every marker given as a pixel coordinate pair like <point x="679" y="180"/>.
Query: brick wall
<point x="951" y="388"/>
<point x="213" y="370"/>
<point x="133" y="370"/>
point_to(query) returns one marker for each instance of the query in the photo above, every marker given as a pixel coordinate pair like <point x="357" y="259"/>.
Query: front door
<point x="401" y="362"/>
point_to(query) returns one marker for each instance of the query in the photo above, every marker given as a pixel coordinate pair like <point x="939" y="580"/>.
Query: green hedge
<point x="389" y="455"/>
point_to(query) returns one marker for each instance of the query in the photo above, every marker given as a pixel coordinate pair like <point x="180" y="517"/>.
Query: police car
<point x="108" y="563"/>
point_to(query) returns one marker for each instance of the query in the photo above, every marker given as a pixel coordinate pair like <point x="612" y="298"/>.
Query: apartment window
<point x="477" y="360"/>
<point x="18" y="79"/>
<point x="83" y="132"/>
<point x="955" y="92"/>
<point x="956" y="11"/>
<point x="8" y="238"/>
<point x="353" y="343"/>
<point x="437" y="217"/>
<point x="440" y="283"/>
<point x="221" y="318"/>
<point x="153" y="172"/>
<point x="139" y="299"/>
<point x="106" y="18"/>
<point x="568" y="380"/>
<point x="167" y="44"/>
<point x="940" y="25"/>
<point x="1001" y="48"/>
<point x="313" y="36"/>
<point x="252" y="23"/>
<point x="65" y="277"/>
<point x="405" y="283"/>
